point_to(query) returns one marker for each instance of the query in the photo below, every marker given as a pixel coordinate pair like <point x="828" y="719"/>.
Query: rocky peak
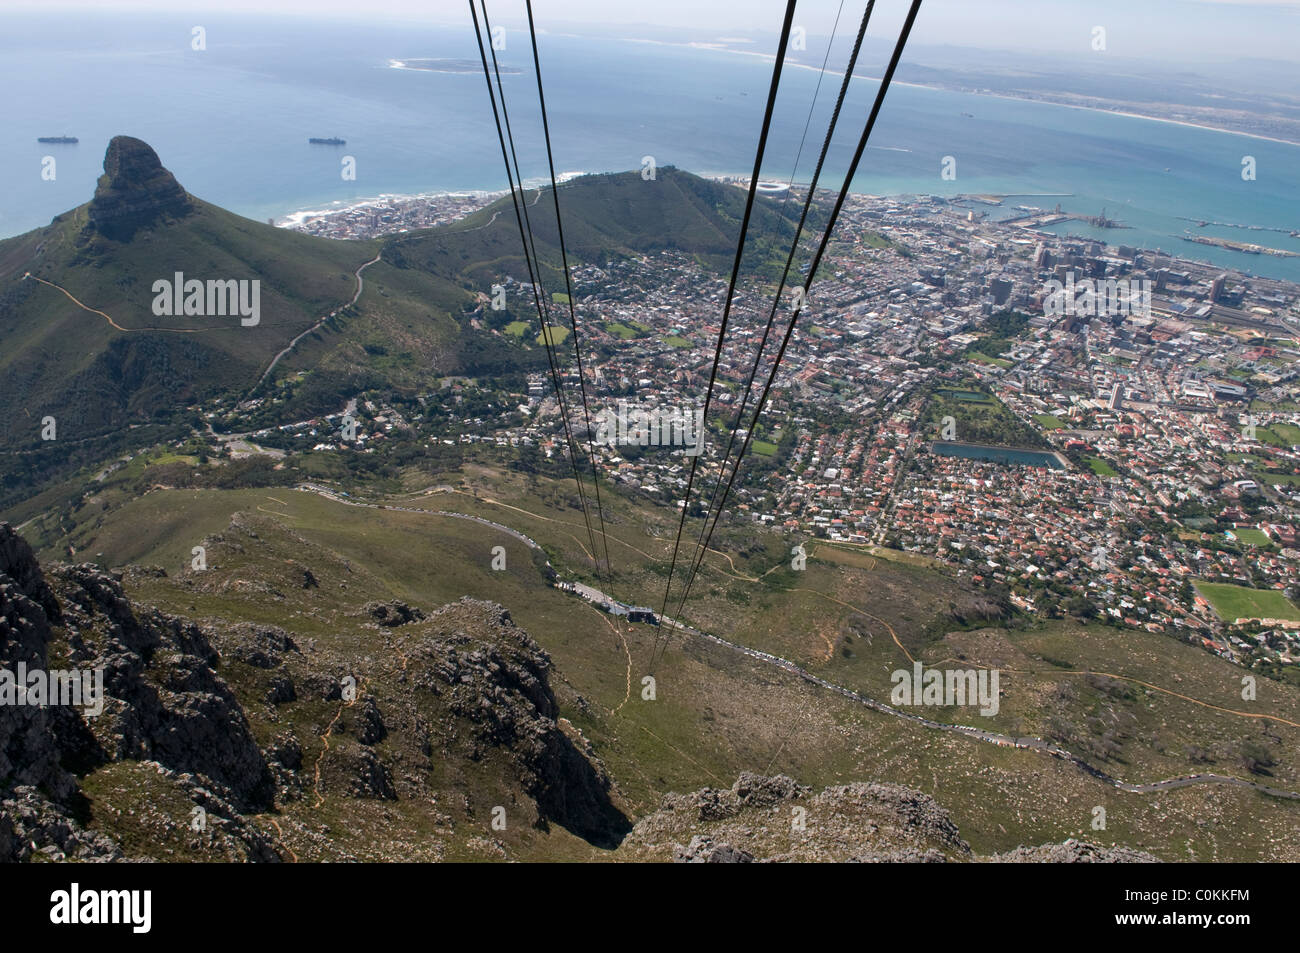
<point x="18" y="563"/>
<point x="135" y="191"/>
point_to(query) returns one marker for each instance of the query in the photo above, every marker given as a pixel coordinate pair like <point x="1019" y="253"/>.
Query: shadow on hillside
<point x="577" y="797"/>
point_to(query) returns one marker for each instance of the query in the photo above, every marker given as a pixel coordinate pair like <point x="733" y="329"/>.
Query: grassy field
<point x="1100" y="467"/>
<point x="978" y="419"/>
<point x="674" y="340"/>
<point x="1050" y="421"/>
<point x="1253" y="537"/>
<point x="1288" y="432"/>
<point x="1279" y="435"/>
<point x="1238" y="602"/>
<point x="517" y="328"/>
<point x="555" y="334"/>
<point x="620" y="330"/>
<point x="967" y="397"/>
<point x="979" y="357"/>
<point x="169" y="457"/>
<point x="763" y="448"/>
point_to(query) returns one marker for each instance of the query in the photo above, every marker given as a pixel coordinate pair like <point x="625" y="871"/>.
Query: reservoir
<point x="976" y="451"/>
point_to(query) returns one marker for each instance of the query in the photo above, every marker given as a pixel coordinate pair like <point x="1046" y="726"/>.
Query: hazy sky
<point x="1164" y="29"/>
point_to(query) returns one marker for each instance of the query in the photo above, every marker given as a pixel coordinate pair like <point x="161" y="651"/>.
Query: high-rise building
<point x="1001" y="287"/>
<point x="1216" y="289"/>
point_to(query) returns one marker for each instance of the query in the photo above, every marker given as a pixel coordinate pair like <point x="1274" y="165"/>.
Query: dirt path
<point x="108" y="318"/>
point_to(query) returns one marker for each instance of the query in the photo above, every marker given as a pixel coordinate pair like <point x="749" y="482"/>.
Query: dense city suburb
<point x="1099" y="430"/>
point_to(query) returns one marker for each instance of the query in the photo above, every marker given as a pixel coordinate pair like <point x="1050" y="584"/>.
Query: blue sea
<point x="232" y="122"/>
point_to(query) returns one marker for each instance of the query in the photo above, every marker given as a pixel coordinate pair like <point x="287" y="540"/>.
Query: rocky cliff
<point x="163" y="703"/>
<point x="135" y="191"/>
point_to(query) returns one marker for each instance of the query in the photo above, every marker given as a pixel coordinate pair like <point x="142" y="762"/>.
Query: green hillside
<point x="80" y="343"/>
<point x="852" y="617"/>
<point x="605" y="216"/>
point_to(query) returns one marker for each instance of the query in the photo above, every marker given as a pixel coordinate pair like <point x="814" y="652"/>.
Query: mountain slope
<point x="236" y="722"/>
<point x="401" y="735"/>
<point x="80" y="341"/>
<point x="84" y="358"/>
<point x="127" y="359"/>
<point x="605" y="216"/>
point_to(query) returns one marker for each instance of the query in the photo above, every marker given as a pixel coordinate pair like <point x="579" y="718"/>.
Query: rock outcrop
<point x="30" y="751"/>
<point x="165" y="700"/>
<point x="162" y="702"/>
<point x="702" y="850"/>
<point x="774" y="819"/>
<point x="135" y="191"/>
<point x="435" y="716"/>
<point x="391" y="614"/>
<point x="492" y="674"/>
<point x="767" y="819"/>
<point x="1074" y="852"/>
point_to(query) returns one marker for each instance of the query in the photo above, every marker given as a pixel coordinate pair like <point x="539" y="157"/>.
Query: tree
<point x="1256" y="757"/>
<point x="1081" y="607"/>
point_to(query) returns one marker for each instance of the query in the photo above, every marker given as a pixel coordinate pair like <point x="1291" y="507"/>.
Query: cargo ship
<point x="332" y="141"/>
<point x="61" y="140"/>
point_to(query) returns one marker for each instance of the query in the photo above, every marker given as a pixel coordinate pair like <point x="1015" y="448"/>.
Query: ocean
<point x="232" y="122"/>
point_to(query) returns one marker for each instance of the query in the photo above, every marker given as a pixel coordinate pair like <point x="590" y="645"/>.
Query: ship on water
<point x="331" y="141"/>
<point x="61" y="140"/>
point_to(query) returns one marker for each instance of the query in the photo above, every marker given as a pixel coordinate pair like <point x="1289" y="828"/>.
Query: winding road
<point x="361" y="284"/>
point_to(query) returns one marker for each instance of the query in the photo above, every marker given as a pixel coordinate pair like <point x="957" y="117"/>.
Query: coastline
<point x="937" y="87"/>
<point x="298" y="219"/>
<point x="1110" y="112"/>
<point x="328" y="221"/>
